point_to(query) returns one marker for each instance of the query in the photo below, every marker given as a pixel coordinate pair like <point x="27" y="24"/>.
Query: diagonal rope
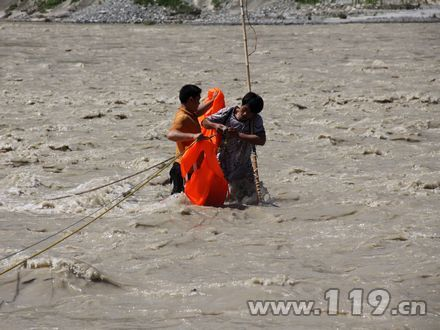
<point x="116" y="181"/>
<point x="87" y="216"/>
<point x="107" y="209"/>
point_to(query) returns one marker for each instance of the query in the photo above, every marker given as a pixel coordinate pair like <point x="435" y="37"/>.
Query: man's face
<point x="193" y="103"/>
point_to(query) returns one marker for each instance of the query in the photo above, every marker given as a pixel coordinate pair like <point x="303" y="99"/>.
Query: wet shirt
<point x="186" y="122"/>
<point x="234" y="153"/>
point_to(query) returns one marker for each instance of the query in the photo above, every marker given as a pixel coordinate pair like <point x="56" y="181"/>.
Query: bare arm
<point x="250" y="138"/>
<point x="207" y="124"/>
<point x="253" y="138"/>
<point x="205" y="106"/>
<point x="176" y="135"/>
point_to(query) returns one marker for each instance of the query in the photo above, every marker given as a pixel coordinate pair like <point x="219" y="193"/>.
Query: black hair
<point x="189" y="91"/>
<point x="253" y="101"/>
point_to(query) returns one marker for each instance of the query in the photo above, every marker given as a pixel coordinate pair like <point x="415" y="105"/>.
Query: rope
<point x="51" y="236"/>
<point x="243" y="5"/>
<point x="130" y="193"/>
<point x="253" y="30"/>
<point x="108" y="209"/>
<point x="255" y="168"/>
<point x="116" y="181"/>
<point x="87" y="216"/>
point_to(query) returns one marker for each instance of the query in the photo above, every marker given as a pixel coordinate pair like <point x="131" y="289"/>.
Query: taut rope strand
<point x="124" y="197"/>
<point x="105" y="185"/>
<point x="130" y="193"/>
<point x="254" y="150"/>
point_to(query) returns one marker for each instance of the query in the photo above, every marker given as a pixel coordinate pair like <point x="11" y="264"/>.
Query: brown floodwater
<point x="352" y="117"/>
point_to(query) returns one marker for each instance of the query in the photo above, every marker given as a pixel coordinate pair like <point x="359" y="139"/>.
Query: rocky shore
<point x="219" y="12"/>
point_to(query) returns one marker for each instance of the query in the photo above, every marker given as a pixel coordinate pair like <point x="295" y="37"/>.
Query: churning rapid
<point x="352" y="167"/>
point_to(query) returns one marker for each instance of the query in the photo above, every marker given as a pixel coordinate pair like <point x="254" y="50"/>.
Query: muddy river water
<point x="352" y="117"/>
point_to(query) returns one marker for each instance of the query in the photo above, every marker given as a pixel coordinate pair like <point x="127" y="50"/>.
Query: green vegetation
<point x="371" y="2"/>
<point x="44" y="5"/>
<point x="308" y="2"/>
<point x="144" y="2"/>
<point x="217" y="3"/>
<point x="179" y="6"/>
<point x="12" y="7"/>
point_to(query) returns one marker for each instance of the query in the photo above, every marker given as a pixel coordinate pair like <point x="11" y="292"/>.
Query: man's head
<point x="189" y="96"/>
<point x="253" y="101"/>
<point x="251" y="104"/>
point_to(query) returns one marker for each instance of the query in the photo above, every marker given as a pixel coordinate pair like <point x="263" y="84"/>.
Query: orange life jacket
<point x="207" y="185"/>
<point x="219" y="103"/>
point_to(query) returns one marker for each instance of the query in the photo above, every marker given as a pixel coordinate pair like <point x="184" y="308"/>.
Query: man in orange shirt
<point x="186" y="128"/>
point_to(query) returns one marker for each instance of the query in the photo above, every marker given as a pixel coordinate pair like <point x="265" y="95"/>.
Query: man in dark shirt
<point x="242" y="127"/>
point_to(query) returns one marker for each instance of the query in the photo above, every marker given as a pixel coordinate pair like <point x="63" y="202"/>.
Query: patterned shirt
<point x="234" y="153"/>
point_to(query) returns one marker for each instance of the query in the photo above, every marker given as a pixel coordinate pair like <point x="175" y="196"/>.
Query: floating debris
<point x="92" y="116"/>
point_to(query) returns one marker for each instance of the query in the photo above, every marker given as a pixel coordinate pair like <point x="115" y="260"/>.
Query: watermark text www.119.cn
<point x="376" y="302"/>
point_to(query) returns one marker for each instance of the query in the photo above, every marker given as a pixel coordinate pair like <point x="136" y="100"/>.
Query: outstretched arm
<point x="205" y="106"/>
<point x="176" y="135"/>
<point x="254" y="139"/>
<point x="207" y="124"/>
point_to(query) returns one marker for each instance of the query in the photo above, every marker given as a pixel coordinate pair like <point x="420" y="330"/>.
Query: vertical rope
<point x="248" y="77"/>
